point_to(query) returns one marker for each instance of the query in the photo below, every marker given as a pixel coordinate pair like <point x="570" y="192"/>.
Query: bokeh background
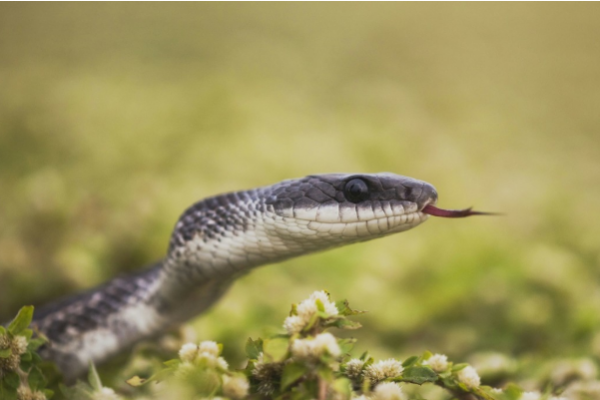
<point x="115" y="117"/>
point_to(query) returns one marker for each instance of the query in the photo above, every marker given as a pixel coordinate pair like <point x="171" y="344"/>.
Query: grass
<point x="114" y="118"/>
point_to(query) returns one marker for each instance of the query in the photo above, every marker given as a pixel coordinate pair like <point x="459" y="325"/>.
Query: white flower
<point x="315" y="348"/>
<point x="437" y="362"/>
<point x="188" y="352"/>
<point x="326" y="341"/>
<point x="469" y="377"/>
<point x="38" y="396"/>
<point x="105" y="394"/>
<point x="384" y="369"/>
<point x="307" y="308"/>
<point x="208" y="346"/>
<point x="530" y="396"/>
<point x="388" y="391"/>
<point x="294" y="324"/>
<point x="496" y="390"/>
<point x="221" y="363"/>
<point x="354" y="367"/>
<point x="330" y="307"/>
<point x="19" y="344"/>
<point x="361" y="397"/>
<point x="235" y="387"/>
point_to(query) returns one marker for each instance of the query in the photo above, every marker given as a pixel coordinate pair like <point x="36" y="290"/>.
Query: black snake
<point x="216" y="241"/>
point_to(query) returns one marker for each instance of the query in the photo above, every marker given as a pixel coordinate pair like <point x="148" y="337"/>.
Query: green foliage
<point x="22" y="374"/>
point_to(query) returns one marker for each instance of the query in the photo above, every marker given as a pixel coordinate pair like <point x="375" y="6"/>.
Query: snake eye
<point x="356" y="190"/>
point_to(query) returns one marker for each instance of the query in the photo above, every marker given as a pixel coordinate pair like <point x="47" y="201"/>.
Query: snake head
<point x="352" y="207"/>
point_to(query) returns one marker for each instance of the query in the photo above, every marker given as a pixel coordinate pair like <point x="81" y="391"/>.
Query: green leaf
<point x="458" y="367"/>
<point x="409" y="361"/>
<point x="36" y="379"/>
<point x="26" y="356"/>
<point x="345" y="310"/>
<point x="35" y="344"/>
<point x="419" y="375"/>
<point x="2" y="330"/>
<point x="320" y="305"/>
<point x="27" y="333"/>
<point x="25" y="364"/>
<point x="174" y="363"/>
<point x="11" y="379"/>
<point x="254" y="348"/>
<point x="94" y="378"/>
<point x="7" y="392"/>
<point x="21" y="321"/>
<point x="325" y="373"/>
<point x="5" y="353"/>
<point x="48" y="393"/>
<point x="291" y="373"/>
<point x="276" y="349"/>
<point x="344" y="323"/>
<point x="346" y="345"/>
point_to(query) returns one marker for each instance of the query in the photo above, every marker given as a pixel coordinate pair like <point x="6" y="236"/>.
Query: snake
<point x="219" y="239"/>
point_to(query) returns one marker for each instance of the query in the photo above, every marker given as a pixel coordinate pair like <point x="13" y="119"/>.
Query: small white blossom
<point x="235" y="387"/>
<point x="384" y="369"/>
<point x="530" y="396"/>
<point x="307" y="308"/>
<point x="388" y="391"/>
<point x="354" y="367"/>
<point x="4" y="342"/>
<point x="329" y="307"/>
<point x="23" y="392"/>
<point x="37" y="395"/>
<point x="105" y="394"/>
<point x="294" y="324"/>
<point x="19" y="344"/>
<point x="221" y="363"/>
<point x="188" y="352"/>
<point x="469" y="377"/>
<point x="326" y="341"/>
<point x="437" y="362"/>
<point x="361" y="397"/>
<point x="208" y="346"/>
<point x="315" y="348"/>
<point x="496" y="390"/>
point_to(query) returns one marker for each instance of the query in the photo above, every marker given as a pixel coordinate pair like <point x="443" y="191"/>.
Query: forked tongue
<point x="440" y="212"/>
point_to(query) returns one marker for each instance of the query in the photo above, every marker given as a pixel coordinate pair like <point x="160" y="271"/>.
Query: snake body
<point x="216" y="241"/>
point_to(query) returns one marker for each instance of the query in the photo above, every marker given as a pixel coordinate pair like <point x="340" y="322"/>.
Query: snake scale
<point x="217" y="240"/>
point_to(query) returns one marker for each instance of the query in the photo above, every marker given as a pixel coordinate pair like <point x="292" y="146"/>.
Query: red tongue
<point x="440" y="212"/>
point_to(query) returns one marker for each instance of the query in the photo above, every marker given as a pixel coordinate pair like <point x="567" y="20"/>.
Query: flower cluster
<point x="20" y="375"/>
<point x="307" y="309"/>
<point x="206" y="353"/>
<point x="314" y="348"/>
<point x="13" y="348"/>
<point x="383" y="369"/>
<point x="469" y="377"/>
<point x="437" y="362"/>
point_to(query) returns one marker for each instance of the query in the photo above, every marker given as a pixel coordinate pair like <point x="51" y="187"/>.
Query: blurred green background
<point x="115" y="117"/>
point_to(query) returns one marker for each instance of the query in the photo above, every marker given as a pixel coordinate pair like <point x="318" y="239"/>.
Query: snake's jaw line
<point x="220" y="238"/>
